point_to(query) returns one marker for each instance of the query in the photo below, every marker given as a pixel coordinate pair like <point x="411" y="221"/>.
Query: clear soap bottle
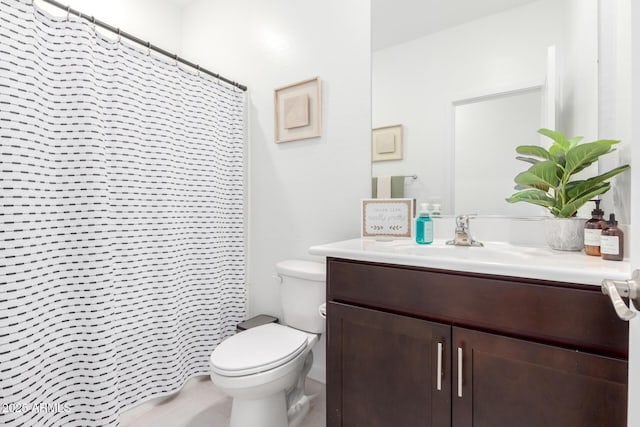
<point x="612" y="241"/>
<point x="424" y="226"/>
<point x="593" y="231"/>
<point x="435" y="212"/>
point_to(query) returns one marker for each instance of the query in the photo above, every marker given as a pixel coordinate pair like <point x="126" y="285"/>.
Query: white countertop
<point x="494" y="258"/>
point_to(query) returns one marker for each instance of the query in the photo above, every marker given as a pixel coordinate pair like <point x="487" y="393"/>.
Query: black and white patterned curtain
<point x="121" y="221"/>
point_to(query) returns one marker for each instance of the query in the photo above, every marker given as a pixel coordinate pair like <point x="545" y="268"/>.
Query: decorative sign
<point x="387" y="217"/>
<point x="386" y="143"/>
<point x="298" y="110"/>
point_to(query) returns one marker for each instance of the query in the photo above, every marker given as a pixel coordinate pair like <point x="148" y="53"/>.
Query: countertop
<point x="494" y="258"/>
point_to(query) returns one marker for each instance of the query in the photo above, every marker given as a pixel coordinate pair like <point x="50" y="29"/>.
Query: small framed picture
<point x="298" y="111"/>
<point x="387" y="218"/>
<point x="386" y="143"/>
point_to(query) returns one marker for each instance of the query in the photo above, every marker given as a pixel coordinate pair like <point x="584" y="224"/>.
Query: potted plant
<point x="547" y="182"/>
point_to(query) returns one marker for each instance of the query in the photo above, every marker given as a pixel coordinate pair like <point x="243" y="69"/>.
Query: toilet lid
<point x="257" y="349"/>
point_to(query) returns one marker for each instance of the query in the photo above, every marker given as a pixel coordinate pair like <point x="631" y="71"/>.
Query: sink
<point x="497" y="258"/>
<point x="496" y="252"/>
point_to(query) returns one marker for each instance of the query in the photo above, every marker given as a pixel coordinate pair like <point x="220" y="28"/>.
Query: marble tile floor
<point x="201" y="404"/>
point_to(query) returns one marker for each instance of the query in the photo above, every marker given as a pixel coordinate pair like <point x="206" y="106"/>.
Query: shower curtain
<point x="122" y="234"/>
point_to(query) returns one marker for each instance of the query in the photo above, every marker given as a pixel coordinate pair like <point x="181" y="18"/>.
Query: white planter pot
<point x="565" y="234"/>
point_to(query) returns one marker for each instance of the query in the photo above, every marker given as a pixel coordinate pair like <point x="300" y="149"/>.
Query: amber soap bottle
<point x="612" y="241"/>
<point x="593" y="231"/>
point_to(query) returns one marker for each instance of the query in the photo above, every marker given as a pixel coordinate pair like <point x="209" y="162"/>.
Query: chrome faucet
<point x="463" y="236"/>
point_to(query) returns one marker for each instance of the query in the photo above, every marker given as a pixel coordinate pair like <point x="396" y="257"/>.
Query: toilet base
<point x="298" y="411"/>
<point x="268" y="411"/>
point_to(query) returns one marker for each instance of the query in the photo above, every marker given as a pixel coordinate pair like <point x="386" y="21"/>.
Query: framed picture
<point x="387" y="218"/>
<point x="298" y="111"/>
<point x="386" y="143"/>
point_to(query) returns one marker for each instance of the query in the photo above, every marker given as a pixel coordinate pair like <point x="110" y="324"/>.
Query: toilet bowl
<point x="264" y="368"/>
<point x="271" y="363"/>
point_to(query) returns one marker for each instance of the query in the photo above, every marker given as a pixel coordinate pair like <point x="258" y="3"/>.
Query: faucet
<point x="463" y="236"/>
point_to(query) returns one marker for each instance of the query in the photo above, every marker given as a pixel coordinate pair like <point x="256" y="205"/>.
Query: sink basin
<point x="491" y="251"/>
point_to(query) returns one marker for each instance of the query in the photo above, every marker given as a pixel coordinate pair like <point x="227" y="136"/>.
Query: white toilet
<point x="264" y="368"/>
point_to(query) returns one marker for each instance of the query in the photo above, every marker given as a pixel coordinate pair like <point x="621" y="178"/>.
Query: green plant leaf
<point x="541" y="175"/>
<point x="575" y="141"/>
<point x="581" y="156"/>
<point x="559" y="158"/>
<point x="575" y="189"/>
<point x="556" y="150"/>
<point x="578" y="170"/>
<point x="561" y="143"/>
<point x="534" y="150"/>
<point x="592" y="188"/>
<point x="571" y="208"/>
<point x="527" y="159"/>
<point x="556" y="136"/>
<point x="532" y="195"/>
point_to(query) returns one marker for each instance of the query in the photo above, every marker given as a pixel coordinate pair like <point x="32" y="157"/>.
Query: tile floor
<point x="201" y="404"/>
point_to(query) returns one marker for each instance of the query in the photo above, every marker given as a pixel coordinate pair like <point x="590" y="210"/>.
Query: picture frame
<point x="298" y="111"/>
<point x="386" y="143"/>
<point x="387" y="218"/>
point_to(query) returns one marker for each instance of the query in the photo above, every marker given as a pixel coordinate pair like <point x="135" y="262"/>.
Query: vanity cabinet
<point x="410" y="346"/>
<point x="383" y="369"/>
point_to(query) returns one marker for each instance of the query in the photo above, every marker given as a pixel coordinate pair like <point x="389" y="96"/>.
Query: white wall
<point x="615" y="115"/>
<point x="630" y="13"/>
<point x="306" y="192"/>
<point x="415" y="83"/>
<point x="156" y="21"/>
<point x="578" y="69"/>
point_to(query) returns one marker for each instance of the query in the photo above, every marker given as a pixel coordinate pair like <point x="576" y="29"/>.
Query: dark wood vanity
<point x="412" y="346"/>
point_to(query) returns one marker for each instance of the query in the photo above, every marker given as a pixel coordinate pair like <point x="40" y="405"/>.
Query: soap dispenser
<point x="593" y="230"/>
<point x="435" y="212"/>
<point x="612" y="241"/>
<point x="424" y="226"/>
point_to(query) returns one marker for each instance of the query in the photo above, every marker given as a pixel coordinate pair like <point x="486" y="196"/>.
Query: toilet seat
<point x="257" y="350"/>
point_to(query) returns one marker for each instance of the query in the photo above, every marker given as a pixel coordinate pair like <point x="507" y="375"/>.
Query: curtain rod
<point x="139" y="41"/>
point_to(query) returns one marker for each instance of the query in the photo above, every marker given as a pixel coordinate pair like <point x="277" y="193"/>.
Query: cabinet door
<point x="511" y="382"/>
<point x="382" y="369"/>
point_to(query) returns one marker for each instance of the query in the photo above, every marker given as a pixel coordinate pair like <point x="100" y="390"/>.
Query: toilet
<point x="264" y="368"/>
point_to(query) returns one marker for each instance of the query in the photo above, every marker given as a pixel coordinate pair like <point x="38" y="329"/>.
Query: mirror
<point x="468" y="81"/>
<point x="514" y="114"/>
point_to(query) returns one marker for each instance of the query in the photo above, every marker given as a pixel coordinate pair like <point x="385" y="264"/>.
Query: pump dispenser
<point x="612" y="241"/>
<point x="593" y="230"/>
<point x="424" y="226"/>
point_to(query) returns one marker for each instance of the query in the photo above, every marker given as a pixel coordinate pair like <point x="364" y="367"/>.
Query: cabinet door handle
<point x="623" y="288"/>
<point x="459" y="372"/>
<point x="439" y="375"/>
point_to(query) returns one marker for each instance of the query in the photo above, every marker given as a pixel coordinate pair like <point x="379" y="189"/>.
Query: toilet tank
<point x="302" y="291"/>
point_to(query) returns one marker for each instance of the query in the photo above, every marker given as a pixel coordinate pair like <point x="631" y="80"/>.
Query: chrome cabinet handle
<point x="459" y="372"/>
<point x="616" y="289"/>
<point x="439" y="374"/>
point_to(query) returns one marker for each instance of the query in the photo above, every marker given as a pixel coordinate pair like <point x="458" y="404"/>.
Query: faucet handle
<point x="463" y="236"/>
<point x="462" y="221"/>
